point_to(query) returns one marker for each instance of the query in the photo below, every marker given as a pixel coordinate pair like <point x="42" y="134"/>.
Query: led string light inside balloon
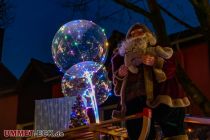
<point x="79" y="41"/>
<point x="88" y="75"/>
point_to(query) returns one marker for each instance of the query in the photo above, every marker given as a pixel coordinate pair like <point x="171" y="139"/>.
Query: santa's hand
<point x="148" y="60"/>
<point x="123" y="71"/>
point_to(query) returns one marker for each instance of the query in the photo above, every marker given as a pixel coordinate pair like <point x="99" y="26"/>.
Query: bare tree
<point x="5" y="19"/>
<point x="202" y="10"/>
<point x="155" y="17"/>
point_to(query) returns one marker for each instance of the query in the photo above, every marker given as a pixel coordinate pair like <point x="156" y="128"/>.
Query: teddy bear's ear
<point x="164" y="52"/>
<point x="151" y="38"/>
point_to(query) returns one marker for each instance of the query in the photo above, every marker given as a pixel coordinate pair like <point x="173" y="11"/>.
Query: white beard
<point x="139" y="42"/>
<point x="133" y="44"/>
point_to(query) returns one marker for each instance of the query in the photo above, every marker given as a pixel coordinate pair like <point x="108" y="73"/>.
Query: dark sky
<point x="36" y="22"/>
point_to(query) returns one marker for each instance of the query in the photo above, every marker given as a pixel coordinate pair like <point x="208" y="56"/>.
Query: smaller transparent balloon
<point x="86" y="78"/>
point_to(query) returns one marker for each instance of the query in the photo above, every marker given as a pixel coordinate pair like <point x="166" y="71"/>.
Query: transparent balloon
<point x="78" y="41"/>
<point x="85" y="78"/>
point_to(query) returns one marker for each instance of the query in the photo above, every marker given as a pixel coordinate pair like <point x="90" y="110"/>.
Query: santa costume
<point x="142" y="89"/>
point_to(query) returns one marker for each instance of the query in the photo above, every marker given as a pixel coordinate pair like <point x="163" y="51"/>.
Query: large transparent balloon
<point x="78" y="41"/>
<point x="84" y="78"/>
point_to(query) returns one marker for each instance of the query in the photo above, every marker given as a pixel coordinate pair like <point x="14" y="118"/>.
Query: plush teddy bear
<point x="135" y="49"/>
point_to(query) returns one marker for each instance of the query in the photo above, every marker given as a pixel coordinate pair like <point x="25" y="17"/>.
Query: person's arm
<point x="117" y="61"/>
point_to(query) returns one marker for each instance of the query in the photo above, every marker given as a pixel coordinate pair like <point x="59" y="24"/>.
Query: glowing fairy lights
<point x="79" y="49"/>
<point x="90" y="80"/>
<point x="77" y="41"/>
<point x="76" y="81"/>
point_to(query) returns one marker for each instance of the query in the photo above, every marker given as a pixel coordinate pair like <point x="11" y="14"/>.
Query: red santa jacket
<point x="167" y="92"/>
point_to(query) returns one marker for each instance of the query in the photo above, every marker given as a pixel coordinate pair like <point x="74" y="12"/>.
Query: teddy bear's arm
<point x="164" y="52"/>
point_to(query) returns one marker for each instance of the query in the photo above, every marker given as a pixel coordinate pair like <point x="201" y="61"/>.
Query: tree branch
<point x="195" y="2"/>
<point x="176" y="18"/>
<point x="133" y="7"/>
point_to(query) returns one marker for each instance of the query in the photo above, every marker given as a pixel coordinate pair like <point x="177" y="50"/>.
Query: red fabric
<point x="180" y="58"/>
<point x="147" y="112"/>
<point x="170" y="67"/>
<point x="171" y="86"/>
<point x="196" y="64"/>
<point x="117" y="61"/>
<point x="56" y="91"/>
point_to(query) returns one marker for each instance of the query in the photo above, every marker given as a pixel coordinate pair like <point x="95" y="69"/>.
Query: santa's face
<point x="136" y="43"/>
<point x="135" y="46"/>
<point x="137" y="32"/>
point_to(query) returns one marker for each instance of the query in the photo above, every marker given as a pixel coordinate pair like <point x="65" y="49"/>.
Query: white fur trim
<point x="165" y="99"/>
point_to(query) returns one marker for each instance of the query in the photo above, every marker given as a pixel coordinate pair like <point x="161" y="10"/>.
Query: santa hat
<point x="137" y="26"/>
